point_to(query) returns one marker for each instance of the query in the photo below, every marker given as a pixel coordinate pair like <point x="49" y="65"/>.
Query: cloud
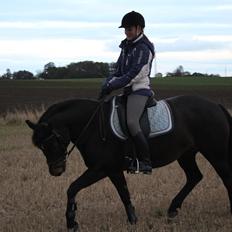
<point x="189" y="25"/>
<point x="58" y="24"/>
<point x="76" y="24"/>
<point x="198" y="56"/>
<point x="34" y="54"/>
<point x="186" y="32"/>
<point x="213" y="38"/>
<point x="223" y="7"/>
<point x="193" y="43"/>
<point x="55" y="49"/>
<point x="79" y="49"/>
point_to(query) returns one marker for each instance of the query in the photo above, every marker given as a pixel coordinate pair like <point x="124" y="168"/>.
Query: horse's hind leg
<point x="193" y="176"/>
<point x="223" y="169"/>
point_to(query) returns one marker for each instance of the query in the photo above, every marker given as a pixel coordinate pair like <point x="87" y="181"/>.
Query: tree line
<point x="87" y="69"/>
<point x="180" y="72"/>
<point x="84" y="69"/>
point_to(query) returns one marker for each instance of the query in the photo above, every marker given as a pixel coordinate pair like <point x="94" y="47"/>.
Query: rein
<point x="101" y="123"/>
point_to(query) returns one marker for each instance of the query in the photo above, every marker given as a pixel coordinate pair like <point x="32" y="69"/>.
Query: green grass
<point x="67" y="83"/>
<point x="199" y="82"/>
<point x="168" y="82"/>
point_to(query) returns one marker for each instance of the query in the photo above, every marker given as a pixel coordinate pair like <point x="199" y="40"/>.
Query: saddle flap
<point x="156" y="119"/>
<point x="160" y="118"/>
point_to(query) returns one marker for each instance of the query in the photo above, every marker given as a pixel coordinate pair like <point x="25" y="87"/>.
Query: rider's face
<point x="132" y="32"/>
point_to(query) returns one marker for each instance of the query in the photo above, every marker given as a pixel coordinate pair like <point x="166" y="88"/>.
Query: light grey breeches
<point x="135" y="107"/>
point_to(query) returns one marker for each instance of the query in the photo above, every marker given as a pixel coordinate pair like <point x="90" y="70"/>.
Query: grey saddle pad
<point x="160" y="120"/>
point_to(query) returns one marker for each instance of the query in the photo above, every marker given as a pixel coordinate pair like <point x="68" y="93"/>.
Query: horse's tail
<point x="230" y="139"/>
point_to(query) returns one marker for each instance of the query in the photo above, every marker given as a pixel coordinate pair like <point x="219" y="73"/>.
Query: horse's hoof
<point x="172" y="214"/>
<point x="74" y="229"/>
<point x="130" y="210"/>
<point x="133" y="220"/>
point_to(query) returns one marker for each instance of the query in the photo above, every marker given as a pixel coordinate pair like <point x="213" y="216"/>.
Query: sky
<point x="196" y="34"/>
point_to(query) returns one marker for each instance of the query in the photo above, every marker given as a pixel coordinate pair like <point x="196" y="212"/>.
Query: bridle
<point x="60" y="137"/>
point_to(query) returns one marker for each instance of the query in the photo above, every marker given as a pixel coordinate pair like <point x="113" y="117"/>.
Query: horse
<point x="199" y="125"/>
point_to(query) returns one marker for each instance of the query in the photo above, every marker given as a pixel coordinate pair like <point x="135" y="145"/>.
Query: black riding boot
<point x="143" y="153"/>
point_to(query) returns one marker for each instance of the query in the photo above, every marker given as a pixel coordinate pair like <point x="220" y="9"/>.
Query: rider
<point x="132" y="72"/>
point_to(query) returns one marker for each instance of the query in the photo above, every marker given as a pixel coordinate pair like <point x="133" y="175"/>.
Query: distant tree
<point x="179" y="71"/>
<point x="48" y="66"/>
<point x="88" y="69"/>
<point x="84" y="69"/>
<point x="38" y="74"/>
<point x="112" y="68"/>
<point x="169" y="74"/>
<point x="197" y="74"/>
<point x="7" y="75"/>
<point x="53" y="73"/>
<point x="23" y="75"/>
<point x="214" y="75"/>
<point x="186" y="74"/>
<point x="159" y="75"/>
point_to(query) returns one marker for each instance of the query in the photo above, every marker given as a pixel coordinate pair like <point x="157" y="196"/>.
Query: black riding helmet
<point x="132" y="19"/>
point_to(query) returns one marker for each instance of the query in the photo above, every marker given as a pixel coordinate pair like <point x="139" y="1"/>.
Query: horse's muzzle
<point x="57" y="170"/>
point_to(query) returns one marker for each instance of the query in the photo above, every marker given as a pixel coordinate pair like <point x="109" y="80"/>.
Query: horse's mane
<point x="61" y="106"/>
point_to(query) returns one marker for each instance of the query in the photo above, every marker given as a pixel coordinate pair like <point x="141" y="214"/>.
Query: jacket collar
<point x="126" y="42"/>
<point x="139" y="37"/>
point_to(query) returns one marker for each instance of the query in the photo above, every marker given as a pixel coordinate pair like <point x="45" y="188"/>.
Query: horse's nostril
<point x="55" y="172"/>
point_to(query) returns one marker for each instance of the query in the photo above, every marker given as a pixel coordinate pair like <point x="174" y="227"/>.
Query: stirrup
<point x="136" y="170"/>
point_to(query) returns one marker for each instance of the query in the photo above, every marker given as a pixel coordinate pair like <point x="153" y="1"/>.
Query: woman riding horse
<point x="132" y="73"/>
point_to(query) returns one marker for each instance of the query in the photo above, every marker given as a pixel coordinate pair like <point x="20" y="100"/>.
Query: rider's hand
<point x="106" y="90"/>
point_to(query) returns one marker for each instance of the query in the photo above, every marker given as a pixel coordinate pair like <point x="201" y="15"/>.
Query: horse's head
<point x="53" y="143"/>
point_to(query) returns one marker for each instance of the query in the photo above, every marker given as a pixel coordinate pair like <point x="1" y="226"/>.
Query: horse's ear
<point x="31" y="124"/>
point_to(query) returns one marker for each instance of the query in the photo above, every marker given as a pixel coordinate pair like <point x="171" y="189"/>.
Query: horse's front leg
<point x="119" y="181"/>
<point x="86" y="179"/>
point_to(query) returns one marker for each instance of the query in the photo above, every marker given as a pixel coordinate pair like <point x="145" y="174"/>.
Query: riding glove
<point x="106" y="90"/>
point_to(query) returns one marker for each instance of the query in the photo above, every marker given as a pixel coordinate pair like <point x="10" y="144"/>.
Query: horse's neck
<point x="85" y="120"/>
<point x="78" y="116"/>
<point x="82" y="112"/>
<point x="69" y="112"/>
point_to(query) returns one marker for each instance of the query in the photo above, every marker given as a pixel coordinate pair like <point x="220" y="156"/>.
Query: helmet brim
<point x="126" y="26"/>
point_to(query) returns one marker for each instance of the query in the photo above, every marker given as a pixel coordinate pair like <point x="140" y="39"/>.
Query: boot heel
<point x="147" y="172"/>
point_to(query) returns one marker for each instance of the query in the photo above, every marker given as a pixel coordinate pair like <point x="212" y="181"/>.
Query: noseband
<point x="59" y="139"/>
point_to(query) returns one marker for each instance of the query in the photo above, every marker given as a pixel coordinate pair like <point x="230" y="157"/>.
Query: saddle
<point x="155" y="120"/>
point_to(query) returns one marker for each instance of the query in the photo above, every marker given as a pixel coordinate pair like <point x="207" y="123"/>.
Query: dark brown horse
<point x="199" y="126"/>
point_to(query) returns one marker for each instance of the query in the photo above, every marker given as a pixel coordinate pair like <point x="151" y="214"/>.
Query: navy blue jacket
<point x="133" y="67"/>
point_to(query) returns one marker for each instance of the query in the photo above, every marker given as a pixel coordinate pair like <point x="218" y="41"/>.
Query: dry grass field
<point x="32" y="200"/>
